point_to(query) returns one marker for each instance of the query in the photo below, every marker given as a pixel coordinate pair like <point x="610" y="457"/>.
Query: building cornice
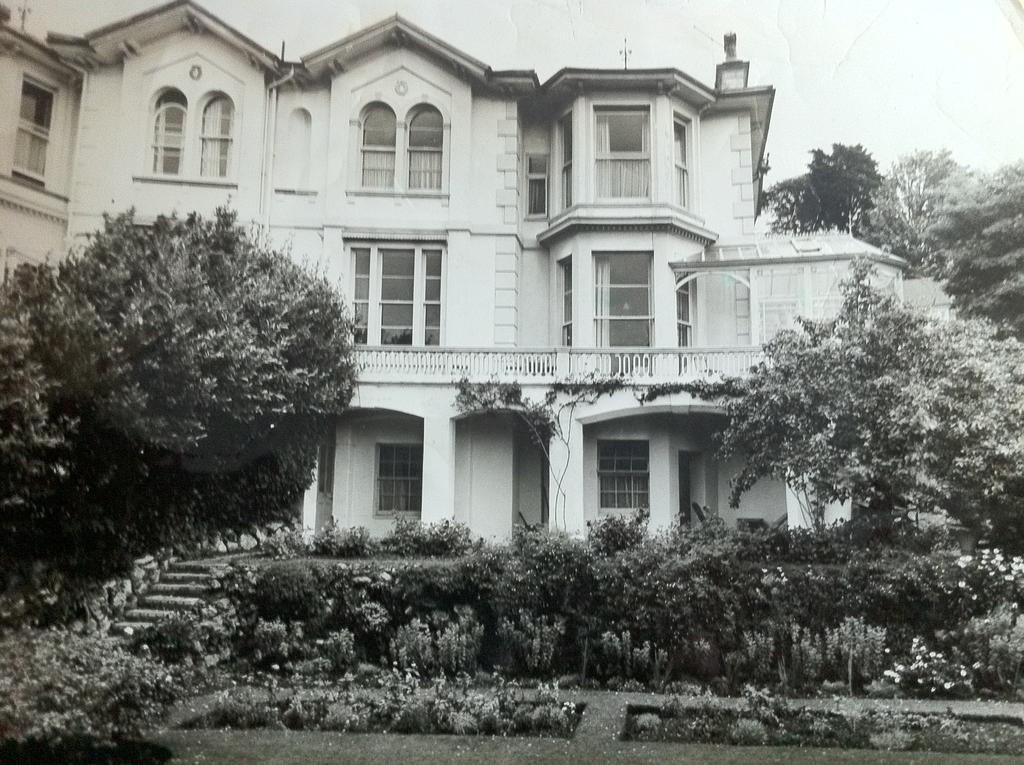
<point x="584" y="219"/>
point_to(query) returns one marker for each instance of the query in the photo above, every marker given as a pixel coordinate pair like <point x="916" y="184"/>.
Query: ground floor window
<point x="399" y="478"/>
<point x="624" y="474"/>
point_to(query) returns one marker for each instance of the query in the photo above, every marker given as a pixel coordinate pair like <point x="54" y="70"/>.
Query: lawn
<point x="300" y="748"/>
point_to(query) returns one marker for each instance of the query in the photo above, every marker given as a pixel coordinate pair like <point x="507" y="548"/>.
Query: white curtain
<point x="627" y="176"/>
<point x="424" y="169"/>
<point x="378" y="169"/>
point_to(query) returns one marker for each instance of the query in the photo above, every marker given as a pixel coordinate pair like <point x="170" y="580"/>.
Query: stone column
<point x="565" y="483"/>
<point x="438" y="469"/>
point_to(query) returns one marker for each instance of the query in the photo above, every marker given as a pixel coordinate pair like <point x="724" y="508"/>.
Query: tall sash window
<point x="169" y="133"/>
<point x="33" y="136"/>
<point x="622" y="299"/>
<point x="218" y="118"/>
<point x="623" y="154"/>
<point x="379" y="132"/>
<point x="426" y="148"/>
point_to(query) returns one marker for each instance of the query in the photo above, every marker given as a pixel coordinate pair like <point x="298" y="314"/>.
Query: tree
<point x="194" y="367"/>
<point x="885" y="408"/>
<point x="834" y="193"/>
<point x="979" y="240"/>
<point x="907" y="203"/>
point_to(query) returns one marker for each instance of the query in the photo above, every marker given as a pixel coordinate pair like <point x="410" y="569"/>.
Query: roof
<point x="17" y="42"/>
<point x="109" y="43"/>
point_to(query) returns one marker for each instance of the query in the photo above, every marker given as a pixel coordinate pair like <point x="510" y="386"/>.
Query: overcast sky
<point x="894" y="75"/>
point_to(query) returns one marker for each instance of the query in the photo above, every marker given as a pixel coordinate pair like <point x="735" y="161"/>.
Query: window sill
<point x="183" y="180"/>
<point x="297" y="192"/>
<point x="397" y="193"/>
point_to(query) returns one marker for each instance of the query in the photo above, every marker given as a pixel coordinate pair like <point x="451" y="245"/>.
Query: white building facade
<point x="484" y="227"/>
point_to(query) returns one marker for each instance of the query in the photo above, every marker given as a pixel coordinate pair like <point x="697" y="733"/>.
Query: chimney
<point x="732" y="74"/>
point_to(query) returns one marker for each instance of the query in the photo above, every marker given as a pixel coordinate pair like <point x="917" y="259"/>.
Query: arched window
<point x="169" y="132"/>
<point x="379" y="147"/>
<point x="426" y="136"/>
<point x="218" y="118"/>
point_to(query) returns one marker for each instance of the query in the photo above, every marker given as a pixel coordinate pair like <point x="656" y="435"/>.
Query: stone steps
<point x="182" y="586"/>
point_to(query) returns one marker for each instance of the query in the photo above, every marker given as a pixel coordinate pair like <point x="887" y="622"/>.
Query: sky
<point x="893" y="75"/>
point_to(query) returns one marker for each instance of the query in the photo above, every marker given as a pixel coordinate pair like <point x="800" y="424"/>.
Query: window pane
<point x="432" y="289"/>
<point x="396" y="336"/>
<point x="629" y="268"/>
<point x="36" y="105"/>
<point x="396" y="289"/>
<point x="362" y="257"/>
<point x="628" y="301"/>
<point x="680" y="143"/>
<point x="396" y="315"/>
<point x="625" y="131"/>
<point x="432" y="260"/>
<point x="397" y="263"/>
<point x="432" y="316"/>
<point x="426" y="130"/>
<point x="379" y="127"/>
<point x="538" y="190"/>
<point x="537" y="164"/>
<point x="566" y="126"/>
<point x="629" y="332"/>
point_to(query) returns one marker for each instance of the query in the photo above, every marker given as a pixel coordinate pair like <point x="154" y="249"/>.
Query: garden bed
<point x="764" y="721"/>
<point x="398" y="707"/>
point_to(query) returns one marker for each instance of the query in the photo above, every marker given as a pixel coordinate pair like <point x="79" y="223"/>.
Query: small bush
<point x="414" y="539"/>
<point x="286" y="543"/>
<point x="339" y="649"/>
<point x="57" y="687"/>
<point x="615" y="533"/>
<point x="458" y="645"/>
<point x="288" y="591"/>
<point x="532" y="642"/>
<point x="335" y="542"/>
<point x="746" y="732"/>
<point x="413" y="646"/>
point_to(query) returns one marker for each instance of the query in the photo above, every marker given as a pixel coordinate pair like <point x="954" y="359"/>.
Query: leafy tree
<point x="907" y="203"/>
<point x="885" y="408"/>
<point x="194" y="368"/>
<point x="979" y="239"/>
<point x="834" y="193"/>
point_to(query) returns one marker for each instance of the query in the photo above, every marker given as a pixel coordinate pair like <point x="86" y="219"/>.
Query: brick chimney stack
<point x="730" y="46"/>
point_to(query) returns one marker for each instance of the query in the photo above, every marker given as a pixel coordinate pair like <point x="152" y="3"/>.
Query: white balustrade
<point x="540" y="366"/>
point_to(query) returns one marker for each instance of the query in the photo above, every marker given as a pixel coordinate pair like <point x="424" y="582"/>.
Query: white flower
<point x="129" y="631"/>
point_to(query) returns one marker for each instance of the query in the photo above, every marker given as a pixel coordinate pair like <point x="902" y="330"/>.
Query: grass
<point x="302" y="748"/>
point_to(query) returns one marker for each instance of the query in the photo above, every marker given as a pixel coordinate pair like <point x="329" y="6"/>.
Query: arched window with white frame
<point x="378" y="146"/>
<point x="169" y="132"/>
<point x="216" y="138"/>
<point x="426" y="148"/>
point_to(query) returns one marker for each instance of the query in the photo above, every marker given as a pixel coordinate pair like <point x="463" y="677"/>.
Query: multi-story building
<point x="486" y="227"/>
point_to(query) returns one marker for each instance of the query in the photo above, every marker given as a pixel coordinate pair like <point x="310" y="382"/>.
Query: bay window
<point x="565" y="136"/>
<point x="623" y="470"/>
<point x="623" y="313"/>
<point x="682" y="179"/>
<point x="623" y="153"/>
<point x="397" y="294"/>
<point x="33" y="135"/>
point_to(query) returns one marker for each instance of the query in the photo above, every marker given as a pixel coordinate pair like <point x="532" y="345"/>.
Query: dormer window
<point x="169" y="132"/>
<point x="379" y="132"/>
<point x="33" y="131"/>
<point x="623" y="154"/>
<point x="426" y="140"/>
<point x="218" y="118"/>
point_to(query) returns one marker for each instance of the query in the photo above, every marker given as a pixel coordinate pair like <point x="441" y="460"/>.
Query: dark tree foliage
<point x="979" y="242"/>
<point x="189" y="368"/>
<point x="835" y="193"/>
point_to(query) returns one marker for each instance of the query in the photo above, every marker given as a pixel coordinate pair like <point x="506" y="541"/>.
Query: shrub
<point x="287" y="542"/>
<point x="413" y="646"/>
<point x="338" y="648"/>
<point x="532" y="642"/>
<point x="57" y="687"/>
<point x="458" y="645"/>
<point x="615" y="533"/>
<point x="288" y="591"/>
<point x="994" y="643"/>
<point x="930" y="673"/>
<point x="205" y="635"/>
<point x="748" y="732"/>
<point x="335" y="542"/>
<point x="859" y="647"/>
<point x="414" y="539"/>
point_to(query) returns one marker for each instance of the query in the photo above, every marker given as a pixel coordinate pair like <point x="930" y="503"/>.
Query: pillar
<point x="662" y="463"/>
<point x="309" y="499"/>
<point x="438" y="469"/>
<point x="565" y="483"/>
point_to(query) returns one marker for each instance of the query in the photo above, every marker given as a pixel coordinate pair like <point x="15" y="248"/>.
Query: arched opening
<point x="216" y="137"/>
<point x="426" y="148"/>
<point x="169" y="132"/>
<point x="378" y="147"/>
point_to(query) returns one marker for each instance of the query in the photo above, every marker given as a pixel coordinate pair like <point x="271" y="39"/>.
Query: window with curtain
<point x="537" y="184"/>
<point x="684" y="314"/>
<point x="431" y="297"/>
<point x="426" y="139"/>
<point x="565" y="277"/>
<point x="33" y="135"/>
<point x="169" y="132"/>
<point x="565" y="136"/>
<point x="623" y="469"/>
<point x="218" y="118"/>
<point x="623" y="154"/>
<point x="622" y="299"/>
<point x="399" y="478"/>
<point x="379" y="134"/>
<point x="682" y="181"/>
<point x="361" y="294"/>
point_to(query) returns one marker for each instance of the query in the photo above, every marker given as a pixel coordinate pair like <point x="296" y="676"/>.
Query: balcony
<point x="643" y="366"/>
